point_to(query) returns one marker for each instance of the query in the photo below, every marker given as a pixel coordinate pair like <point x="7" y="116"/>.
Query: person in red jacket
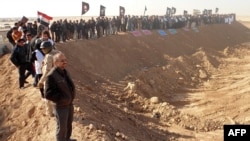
<point x="16" y="35"/>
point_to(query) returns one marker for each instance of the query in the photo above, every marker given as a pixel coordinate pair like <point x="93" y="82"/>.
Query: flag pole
<point x="82" y="11"/>
<point x="145" y="11"/>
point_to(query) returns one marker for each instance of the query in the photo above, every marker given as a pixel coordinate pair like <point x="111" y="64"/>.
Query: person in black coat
<point x="60" y="89"/>
<point x="58" y="31"/>
<point x="53" y="30"/>
<point x="19" y="59"/>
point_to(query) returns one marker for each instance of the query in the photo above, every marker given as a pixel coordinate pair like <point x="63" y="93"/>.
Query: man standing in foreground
<point x="60" y="89"/>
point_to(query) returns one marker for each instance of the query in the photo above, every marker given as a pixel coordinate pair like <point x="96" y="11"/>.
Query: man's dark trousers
<point x="64" y="119"/>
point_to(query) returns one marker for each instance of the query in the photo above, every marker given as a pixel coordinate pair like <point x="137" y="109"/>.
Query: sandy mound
<point x="177" y="87"/>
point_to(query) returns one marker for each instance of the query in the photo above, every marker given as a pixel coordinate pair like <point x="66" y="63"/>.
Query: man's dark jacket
<point x="19" y="55"/>
<point x="59" y="87"/>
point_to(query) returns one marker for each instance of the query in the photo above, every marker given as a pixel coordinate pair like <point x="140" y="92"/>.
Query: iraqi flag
<point x="43" y="18"/>
<point x="102" y="11"/>
<point x="85" y="7"/>
<point x="122" y="11"/>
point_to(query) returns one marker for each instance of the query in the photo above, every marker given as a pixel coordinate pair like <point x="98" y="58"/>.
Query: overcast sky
<point x="58" y="8"/>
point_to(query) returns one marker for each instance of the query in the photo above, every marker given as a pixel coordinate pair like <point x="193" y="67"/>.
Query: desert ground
<point x="181" y="87"/>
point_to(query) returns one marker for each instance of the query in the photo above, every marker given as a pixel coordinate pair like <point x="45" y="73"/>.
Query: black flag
<point x="185" y="12"/>
<point x="173" y="11"/>
<point x="122" y="11"/>
<point x="168" y="11"/>
<point x="85" y="7"/>
<point x="24" y="19"/>
<point x="205" y="12"/>
<point x="102" y="11"/>
<point x="209" y="12"/>
<point x="216" y="10"/>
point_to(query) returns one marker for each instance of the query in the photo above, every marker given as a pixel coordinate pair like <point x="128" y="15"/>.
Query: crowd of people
<point x="34" y="53"/>
<point x="63" y="30"/>
<point x="105" y="26"/>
